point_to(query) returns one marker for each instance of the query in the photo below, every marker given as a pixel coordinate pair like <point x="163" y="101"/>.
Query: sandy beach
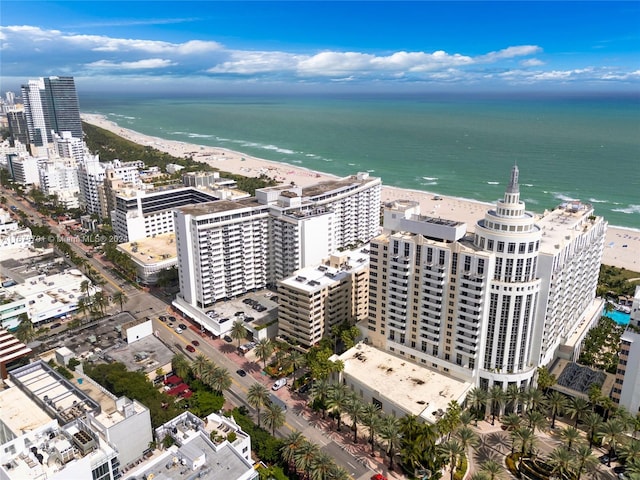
<point x="622" y="246"/>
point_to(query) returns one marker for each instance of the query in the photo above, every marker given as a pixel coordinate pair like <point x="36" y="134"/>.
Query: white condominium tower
<point x="488" y="307"/>
<point x="226" y="248"/>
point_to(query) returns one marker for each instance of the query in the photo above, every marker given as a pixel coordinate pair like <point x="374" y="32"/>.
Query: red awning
<point x="179" y="389"/>
<point x="173" y="380"/>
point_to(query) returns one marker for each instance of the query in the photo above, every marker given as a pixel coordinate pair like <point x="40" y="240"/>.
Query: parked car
<point x="190" y="348"/>
<point x="195" y="343"/>
<point x="241" y="372"/>
<point x="281" y="382"/>
<point x="305" y="388"/>
<point x="227" y="339"/>
<point x="162" y="318"/>
<point x="182" y="326"/>
<point x="55" y="325"/>
<point x="179" y="330"/>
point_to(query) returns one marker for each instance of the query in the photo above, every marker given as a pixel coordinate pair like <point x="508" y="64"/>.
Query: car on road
<point x="190" y="348"/>
<point x="305" y="388"/>
<point x="55" y="325"/>
<point x="247" y="301"/>
<point x="281" y="382"/>
<point x="172" y="319"/>
<point x="162" y="318"/>
<point x="227" y="339"/>
<point x="241" y="372"/>
<point x="378" y="476"/>
<point x="195" y="343"/>
<point x="182" y="326"/>
<point x="179" y="330"/>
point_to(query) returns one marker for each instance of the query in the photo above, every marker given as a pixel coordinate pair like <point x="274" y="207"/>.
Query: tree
<point x="238" y="331"/>
<point x="264" y="349"/>
<point x="560" y="460"/>
<point x="491" y="469"/>
<point x="477" y="397"/>
<point x="320" y="393"/>
<point x="290" y="447"/>
<point x="257" y="397"/>
<point x="584" y="460"/>
<point x="556" y="403"/>
<point x="321" y="466"/>
<point x="390" y="432"/>
<point x="467" y="438"/>
<point x="25" y="332"/>
<point x="497" y="397"/>
<point x="525" y="439"/>
<point x="536" y="420"/>
<point x="570" y="435"/>
<point x="577" y="408"/>
<point x="220" y="379"/>
<point x="85" y="285"/>
<point x="355" y="409"/>
<point x="371" y="419"/>
<point x="337" y="400"/>
<point x="545" y="379"/>
<point x="304" y="457"/>
<point x="611" y="432"/>
<point x="534" y="399"/>
<point x="180" y="365"/>
<point x="83" y="306"/>
<point x="593" y="422"/>
<point x="511" y="421"/>
<point x="452" y="451"/>
<point x="296" y="360"/>
<point x="120" y="298"/>
<point x="450" y="420"/>
<point x="273" y="417"/>
<point x="200" y="366"/>
<point x="630" y="450"/>
<point x="512" y="396"/>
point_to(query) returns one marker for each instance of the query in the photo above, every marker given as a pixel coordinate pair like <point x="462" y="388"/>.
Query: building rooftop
<point x="335" y="185"/>
<point x="11" y="349"/>
<point x="20" y="413"/>
<point x="152" y="249"/>
<point x="219" y="206"/>
<point x="147" y="354"/>
<point x="414" y="389"/>
<point x="561" y="224"/>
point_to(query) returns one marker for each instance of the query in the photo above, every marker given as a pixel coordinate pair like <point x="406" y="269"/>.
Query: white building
<point x="483" y="306"/>
<point x="11" y="234"/>
<point x="227" y="248"/>
<point x="67" y="146"/>
<point x="24" y="169"/>
<point x="59" y="177"/>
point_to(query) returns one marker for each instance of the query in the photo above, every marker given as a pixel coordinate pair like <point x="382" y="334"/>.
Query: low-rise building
<point x="151" y="256"/>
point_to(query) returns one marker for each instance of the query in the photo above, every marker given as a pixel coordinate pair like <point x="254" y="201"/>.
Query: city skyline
<point x="312" y="46"/>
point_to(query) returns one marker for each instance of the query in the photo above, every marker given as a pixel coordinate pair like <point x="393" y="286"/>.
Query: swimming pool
<point x="619" y="317"/>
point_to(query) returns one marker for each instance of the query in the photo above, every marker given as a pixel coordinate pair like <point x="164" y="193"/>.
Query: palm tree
<point x="390" y="432"/>
<point x="85" y="285"/>
<point x="497" y="398"/>
<point x="338" y="473"/>
<point x="630" y="450"/>
<point x="466" y="418"/>
<point x="512" y="395"/>
<point x="296" y="360"/>
<point x="592" y="421"/>
<point x="355" y="409"/>
<point x="534" y="399"/>
<point x="511" y="421"/>
<point x="612" y="432"/>
<point x="220" y="379"/>
<point x="570" y="435"/>
<point x="536" y="420"/>
<point x="578" y="407"/>
<point x="492" y="469"/>
<point x="337" y="400"/>
<point x="199" y="366"/>
<point x="584" y="460"/>
<point x="477" y="397"/>
<point x="321" y="466"/>
<point x="101" y="301"/>
<point x="257" y="397"/>
<point x="83" y="306"/>
<point x="525" y="438"/>
<point x="560" y="460"/>
<point x="180" y="365"/>
<point x="25" y="332"/>
<point x="467" y="438"/>
<point x="264" y="349"/>
<point x="120" y="298"/>
<point x="273" y="417"/>
<point x="372" y="420"/>
<point x="320" y="392"/>
<point x="556" y="403"/>
<point x="304" y="457"/>
<point x="452" y="451"/>
<point x="238" y="331"/>
<point x="290" y="447"/>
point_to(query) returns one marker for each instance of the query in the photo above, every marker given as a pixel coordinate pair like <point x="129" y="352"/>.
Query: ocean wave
<point x="370" y="171"/>
<point x="531" y="200"/>
<point x="493" y="183"/>
<point x="275" y="148"/>
<point x="595" y="200"/>
<point x="563" y="197"/>
<point x="427" y="184"/>
<point x="122" y="116"/>
<point x="629" y="210"/>
<point x="527" y="184"/>
<point x="430" y="179"/>
<point x="199" y="135"/>
<point x="296" y="161"/>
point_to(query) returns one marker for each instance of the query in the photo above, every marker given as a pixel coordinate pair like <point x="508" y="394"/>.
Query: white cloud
<point x="531" y="62"/>
<point x="140" y="64"/>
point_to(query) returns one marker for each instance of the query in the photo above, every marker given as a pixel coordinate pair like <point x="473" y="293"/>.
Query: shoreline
<point x="622" y="244"/>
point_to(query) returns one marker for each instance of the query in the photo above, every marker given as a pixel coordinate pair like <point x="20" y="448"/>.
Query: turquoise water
<point x="566" y="148"/>
<point x="619" y="317"/>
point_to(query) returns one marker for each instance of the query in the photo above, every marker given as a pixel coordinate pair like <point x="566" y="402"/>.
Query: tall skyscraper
<point x="488" y="306"/>
<point x="51" y="105"/>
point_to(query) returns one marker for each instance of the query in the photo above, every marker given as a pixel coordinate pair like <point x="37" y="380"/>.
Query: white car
<point x="179" y="330"/>
<point x="281" y="382"/>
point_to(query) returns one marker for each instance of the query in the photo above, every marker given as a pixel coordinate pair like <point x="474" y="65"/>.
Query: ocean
<point x="566" y="147"/>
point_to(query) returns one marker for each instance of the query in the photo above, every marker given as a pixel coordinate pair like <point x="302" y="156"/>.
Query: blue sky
<point x="323" y="46"/>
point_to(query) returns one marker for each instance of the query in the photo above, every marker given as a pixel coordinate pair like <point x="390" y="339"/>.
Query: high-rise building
<point x="489" y="306"/>
<point x="227" y="248"/>
<point x="51" y="106"/>
<point x="626" y="390"/>
<point x="18" y="127"/>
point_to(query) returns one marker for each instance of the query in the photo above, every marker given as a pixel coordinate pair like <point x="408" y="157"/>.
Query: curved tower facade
<point x="511" y="235"/>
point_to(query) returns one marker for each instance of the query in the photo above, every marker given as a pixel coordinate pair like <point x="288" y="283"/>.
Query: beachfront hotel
<point x="227" y="248"/>
<point x="488" y="306"/>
